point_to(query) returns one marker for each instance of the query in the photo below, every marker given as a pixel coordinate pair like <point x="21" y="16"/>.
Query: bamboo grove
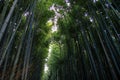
<point x="84" y="46"/>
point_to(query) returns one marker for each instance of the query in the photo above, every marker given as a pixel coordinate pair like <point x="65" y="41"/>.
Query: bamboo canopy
<point x="59" y="39"/>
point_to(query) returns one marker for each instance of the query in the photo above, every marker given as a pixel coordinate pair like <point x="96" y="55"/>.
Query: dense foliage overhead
<point x="59" y="39"/>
